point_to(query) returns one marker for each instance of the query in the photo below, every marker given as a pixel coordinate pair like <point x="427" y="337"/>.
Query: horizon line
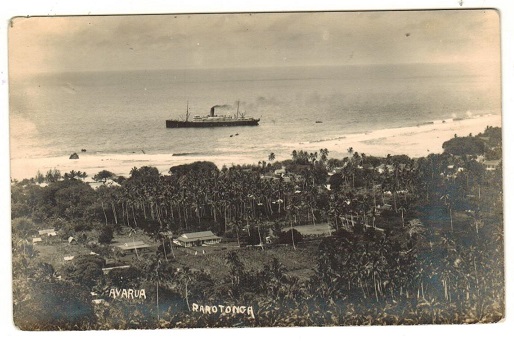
<point x="241" y="67"/>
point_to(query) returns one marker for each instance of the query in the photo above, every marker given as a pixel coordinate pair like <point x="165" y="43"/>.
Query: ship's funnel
<point x="212" y="111"/>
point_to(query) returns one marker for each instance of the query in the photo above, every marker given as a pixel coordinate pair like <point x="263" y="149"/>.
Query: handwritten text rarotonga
<point x="223" y="309"/>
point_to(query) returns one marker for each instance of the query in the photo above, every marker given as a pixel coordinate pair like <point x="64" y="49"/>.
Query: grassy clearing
<point x="313" y="230"/>
<point x="299" y="262"/>
<point x="55" y="252"/>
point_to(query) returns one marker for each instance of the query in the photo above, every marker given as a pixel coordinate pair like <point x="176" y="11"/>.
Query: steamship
<point x="213" y="120"/>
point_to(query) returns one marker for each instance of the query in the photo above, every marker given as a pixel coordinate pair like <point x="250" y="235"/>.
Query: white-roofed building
<point x="197" y="239"/>
<point x="132" y="247"/>
<point x="47" y="232"/>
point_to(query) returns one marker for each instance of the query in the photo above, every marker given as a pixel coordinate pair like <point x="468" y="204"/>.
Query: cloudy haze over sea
<point x="107" y="84"/>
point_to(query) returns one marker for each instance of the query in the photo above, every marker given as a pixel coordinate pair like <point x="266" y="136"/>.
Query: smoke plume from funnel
<point x="222" y="106"/>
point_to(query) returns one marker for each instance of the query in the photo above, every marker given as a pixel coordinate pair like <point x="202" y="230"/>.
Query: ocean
<point x="124" y="112"/>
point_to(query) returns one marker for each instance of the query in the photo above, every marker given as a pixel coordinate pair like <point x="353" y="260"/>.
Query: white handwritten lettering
<point x="250" y="312"/>
<point x="223" y="309"/>
<point x="127" y="293"/>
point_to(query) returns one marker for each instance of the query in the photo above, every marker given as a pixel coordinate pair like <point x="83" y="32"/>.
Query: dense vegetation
<point x="414" y="241"/>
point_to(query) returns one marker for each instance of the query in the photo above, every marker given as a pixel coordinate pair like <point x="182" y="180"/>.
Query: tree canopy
<point x="103" y="176"/>
<point x="468" y="145"/>
<point x="195" y="167"/>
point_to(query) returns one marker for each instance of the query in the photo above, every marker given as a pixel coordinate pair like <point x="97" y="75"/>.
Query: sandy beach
<point x="414" y="141"/>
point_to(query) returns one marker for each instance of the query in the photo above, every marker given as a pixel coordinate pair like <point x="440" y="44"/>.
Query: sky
<point x="149" y="42"/>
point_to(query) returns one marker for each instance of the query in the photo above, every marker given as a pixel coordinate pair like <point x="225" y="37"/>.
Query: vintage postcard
<point x="256" y="170"/>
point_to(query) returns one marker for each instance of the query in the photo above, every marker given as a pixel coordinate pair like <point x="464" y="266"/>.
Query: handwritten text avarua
<point x="127" y="293"/>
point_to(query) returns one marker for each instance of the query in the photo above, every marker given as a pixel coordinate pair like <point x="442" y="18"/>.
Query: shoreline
<point x="414" y="141"/>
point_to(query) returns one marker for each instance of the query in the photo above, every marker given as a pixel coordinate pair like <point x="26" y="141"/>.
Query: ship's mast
<point x="187" y="111"/>
<point x="237" y="113"/>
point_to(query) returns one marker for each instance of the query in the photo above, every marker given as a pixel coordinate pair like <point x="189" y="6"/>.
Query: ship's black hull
<point x="192" y="124"/>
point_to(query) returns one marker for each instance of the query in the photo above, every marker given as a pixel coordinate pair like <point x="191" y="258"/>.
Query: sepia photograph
<point x="256" y="169"/>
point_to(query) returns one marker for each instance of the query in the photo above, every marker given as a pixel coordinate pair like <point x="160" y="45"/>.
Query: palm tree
<point x="402" y="210"/>
<point x="153" y="274"/>
<point x="324" y="155"/>
<point x="236" y="267"/>
<point x="184" y="277"/>
<point x="132" y="233"/>
<point x="415" y="227"/>
<point x="312" y="157"/>
<point x="477" y="220"/>
<point x="260" y="238"/>
<point x="271" y="157"/>
<point x="447" y="202"/>
<point x="292" y="238"/>
<point x="82" y="175"/>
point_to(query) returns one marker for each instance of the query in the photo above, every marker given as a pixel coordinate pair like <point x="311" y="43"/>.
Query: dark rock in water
<point x="74" y="156"/>
<point x="83" y="150"/>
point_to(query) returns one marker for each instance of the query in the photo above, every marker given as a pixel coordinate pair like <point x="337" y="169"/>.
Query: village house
<point x="197" y="239"/>
<point x="366" y="166"/>
<point x="335" y="170"/>
<point x="268" y="177"/>
<point x="383" y="168"/>
<point x="132" y="247"/>
<point x="47" y="233"/>
<point x="166" y="234"/>
<point x="286" y="179"/>
<point x="108" y="183"/>
<point x="280" y="172"/>
<point x="491" y="165"/>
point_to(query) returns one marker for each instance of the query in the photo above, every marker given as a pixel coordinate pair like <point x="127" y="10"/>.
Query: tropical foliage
<point x="412" y="241"/>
